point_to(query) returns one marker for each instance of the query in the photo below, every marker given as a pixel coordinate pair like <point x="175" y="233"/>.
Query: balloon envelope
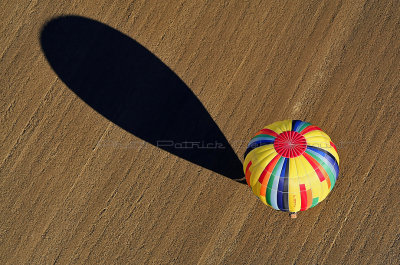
<point x="291" y="165"/>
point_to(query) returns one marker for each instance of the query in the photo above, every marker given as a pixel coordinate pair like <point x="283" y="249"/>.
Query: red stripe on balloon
<point x="268" y="169"/>
<point x="333" y="145"/>
<point x="267" y="131"/>
<point x="303" y="196"/>
<point x="309" y="129"/>
<point x="314" y="164"/>
<point x="248" y="173"/>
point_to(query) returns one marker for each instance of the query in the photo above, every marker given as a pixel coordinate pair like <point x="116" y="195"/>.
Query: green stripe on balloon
<point x="314" y="202"/>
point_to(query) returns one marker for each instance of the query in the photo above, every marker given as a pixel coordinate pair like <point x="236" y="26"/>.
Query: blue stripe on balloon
<point x="281" y="185"/>
<point x="274" y="189"/>
<point x="286" y="188"/>
<point x="301" y="124"/>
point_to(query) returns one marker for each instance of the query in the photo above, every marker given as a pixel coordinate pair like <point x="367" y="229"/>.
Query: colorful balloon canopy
<point x="291" y="165"/>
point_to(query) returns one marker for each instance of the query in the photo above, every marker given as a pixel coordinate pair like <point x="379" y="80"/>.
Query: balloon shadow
<point x="130" y="86"/>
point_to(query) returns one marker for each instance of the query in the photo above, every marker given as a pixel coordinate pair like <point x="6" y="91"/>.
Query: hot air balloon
<point x="291" y="165"/>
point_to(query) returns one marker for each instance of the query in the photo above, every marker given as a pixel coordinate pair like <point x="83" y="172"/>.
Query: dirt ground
<point x="75" y="187"/>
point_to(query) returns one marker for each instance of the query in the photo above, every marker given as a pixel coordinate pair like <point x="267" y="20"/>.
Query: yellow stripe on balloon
<point x="258" y="165"/>
<point x="318" y="141"/>
<point x="294" y="188"/>
<point x="325" y="189"/>
<point x="310" y="178"/>
<point x="315" y="133"/>
<point x="262" y="198"/>
<point x="256" y="188"/>
<point x="280" y="126"/>
<point x="254" y="154"/>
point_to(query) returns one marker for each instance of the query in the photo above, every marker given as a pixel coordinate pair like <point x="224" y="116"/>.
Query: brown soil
<point x="74" y="189"/>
